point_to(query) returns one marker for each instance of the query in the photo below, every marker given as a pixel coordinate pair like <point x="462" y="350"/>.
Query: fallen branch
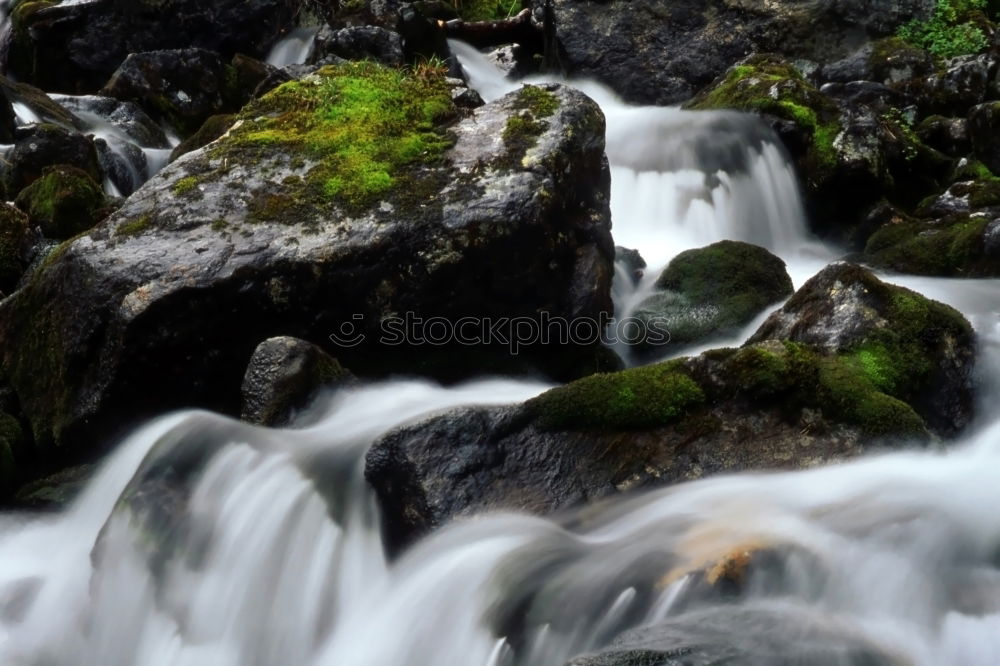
<point x="481" y="34"/>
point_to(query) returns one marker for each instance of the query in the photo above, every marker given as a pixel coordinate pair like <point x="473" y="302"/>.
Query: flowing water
<point x="207" y="542"/>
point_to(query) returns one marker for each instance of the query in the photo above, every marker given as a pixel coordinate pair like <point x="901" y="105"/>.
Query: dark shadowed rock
<point x="283" y="374"/>
<point x="746" y="635"/>
<point x="360" y="43"/>
<point x="658" y="52"/>
<point x="75" y="47"/>
<point x="15" y="242"/>
<point x="255" y="236"/>
<point x="984" y="132"/>
<point x="211" y="129"/>
<point x="47" y="145"/>
<point x="181" y="86"/>
<point x="63" y="202"/>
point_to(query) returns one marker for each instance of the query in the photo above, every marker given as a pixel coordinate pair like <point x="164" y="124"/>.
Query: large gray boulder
<point x="255" y="236"/>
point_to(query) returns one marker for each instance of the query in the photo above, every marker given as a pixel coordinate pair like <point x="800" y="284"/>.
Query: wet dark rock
<point x="948" y="135"/>
<point x="127" y="117"/>
<point x="123" y="163"/>
<point x="174" y="291"/>
<point x="631" y="262"/>
<point x="963" y="82"/>
<point x="915" y="349"/>
<point x="63" y="202"/>
<point x="283" y="374"/>
<point x="15" y="243"/>
<point x="838" y="146"/>
<point x="75" y="48"/>
<point x="662" y="53"/>
<point x="887" y="61"/>
<point x="211" y="129"/>
<point x="711" y="292"/>
<point x="849" y="364"/>
<point x="55" y="491"/>
<point x="878" y="96"/>
<point x="984" y="133"/>
<point x="182" y="86"/>
<point x="360" y="43"/>
<point x="748" y="635"/>
<point x="47" y="145"/>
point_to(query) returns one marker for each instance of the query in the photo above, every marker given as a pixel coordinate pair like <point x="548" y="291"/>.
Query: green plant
<point x="949" y="32"/>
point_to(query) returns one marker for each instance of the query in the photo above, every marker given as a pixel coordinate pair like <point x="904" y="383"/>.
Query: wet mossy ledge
<point x="368" y="128"/>
<point x="767" y="84"/>
<point x="847" y="348"/>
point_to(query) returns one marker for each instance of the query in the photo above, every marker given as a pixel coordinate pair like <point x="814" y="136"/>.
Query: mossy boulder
<point x="953" y="246"/>
<point x="12" y="444"/>
<point x="909" y="347"/>
<point x="283" y="374"/>
<point x="345" y="200"/>
<point x="64" y="201"/>
<point x="46" y="145"/>
<point x="15" y="240"/>
<point x="850" y="364"/>
<point x="711" y="292"/>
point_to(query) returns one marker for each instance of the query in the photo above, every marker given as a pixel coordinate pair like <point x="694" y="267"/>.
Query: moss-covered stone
<point x="14" y="239"/>
<point x="712" y="291"/>
<point x="209" y="131"/>
<point x="952" y="247"/>
<point x="767" y="84"/>
<point x="846" y="389"/>
<point x="368" y="127"/>
<point x="646" y="397"/>
<point x="903" y="344"/>
<point x="63" y="201"/>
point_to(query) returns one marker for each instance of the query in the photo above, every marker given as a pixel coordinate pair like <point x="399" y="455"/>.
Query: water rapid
<point x="207" y="542"/>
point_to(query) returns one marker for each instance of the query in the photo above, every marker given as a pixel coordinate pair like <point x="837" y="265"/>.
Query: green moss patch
<point x="947" y="248"/>
<point x="531" y="108"/>
<point x="368" y="127"/>
<point x="186" y="185"/>
<point x="644" y="397"/>
<point x="488" y="10"/>
<point x="134" y="227"/>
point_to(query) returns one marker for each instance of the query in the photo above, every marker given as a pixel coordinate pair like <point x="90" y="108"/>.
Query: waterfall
<point x="682" y="180"/>
<point x="294" y="48"/>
